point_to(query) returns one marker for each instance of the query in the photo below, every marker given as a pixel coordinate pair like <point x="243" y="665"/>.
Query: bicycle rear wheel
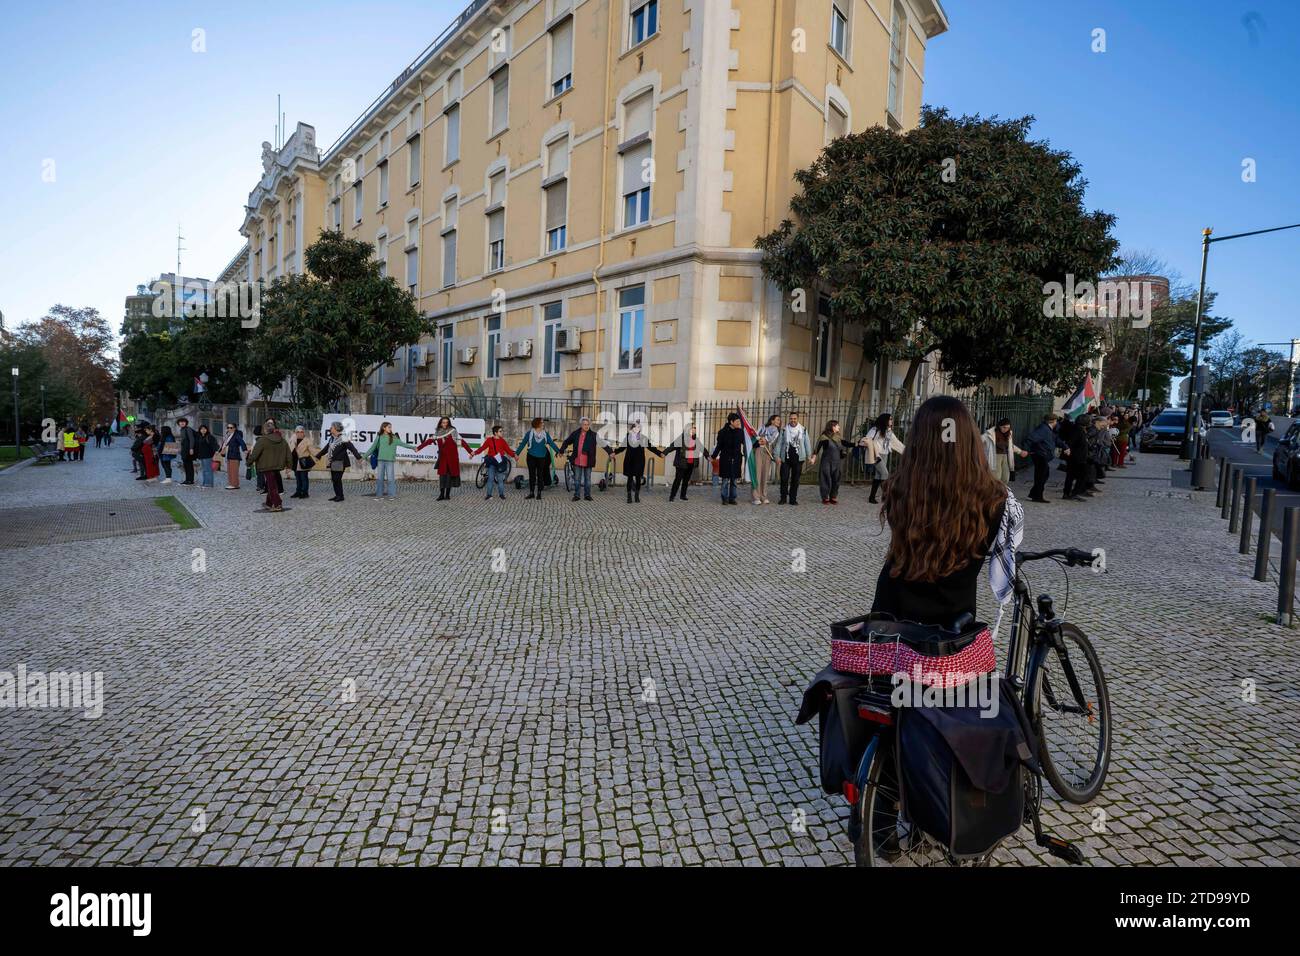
<point x="480" y="478"/>
<point x="881" y="836"/>
<point x="568" y="477"/>
<point x="1073" y="725"/>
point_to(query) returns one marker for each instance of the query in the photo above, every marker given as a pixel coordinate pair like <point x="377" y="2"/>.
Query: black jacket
<point x="205" y="446"/>
<point x="588" y="444"/>
<point x="679" y="449"/>
<point x="731" y="450"/>
<point x="187" y="437"/>
<point x="1043" y="441"/>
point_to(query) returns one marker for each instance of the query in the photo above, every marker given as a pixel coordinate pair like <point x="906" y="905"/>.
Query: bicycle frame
<point x="1033" y="636"/>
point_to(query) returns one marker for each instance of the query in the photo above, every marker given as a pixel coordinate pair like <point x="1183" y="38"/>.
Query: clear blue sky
<point x="144" y="133"/>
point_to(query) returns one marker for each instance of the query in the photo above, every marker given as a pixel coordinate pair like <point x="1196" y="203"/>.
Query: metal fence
<point x="1024" y="411"/>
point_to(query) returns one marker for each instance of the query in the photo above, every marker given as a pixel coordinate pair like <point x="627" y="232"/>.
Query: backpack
<point x="961" y="771"/>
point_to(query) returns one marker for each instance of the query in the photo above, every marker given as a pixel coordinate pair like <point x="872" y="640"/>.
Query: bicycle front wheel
<point x="1071" y="714"/>
<point x="480" y="479"/>
<point x="568" y="477"/>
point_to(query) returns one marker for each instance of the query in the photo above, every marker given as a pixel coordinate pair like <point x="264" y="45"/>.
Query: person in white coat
<point x="881" y="440"/>
<point x="1001" y="451"/>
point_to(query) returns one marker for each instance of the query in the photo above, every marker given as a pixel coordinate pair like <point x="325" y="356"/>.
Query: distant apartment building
<point x="162" y="303"/>
<point x="572" y="190"/>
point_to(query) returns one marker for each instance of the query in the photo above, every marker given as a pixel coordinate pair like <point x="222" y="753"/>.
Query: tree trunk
<point x="904" y="392"/>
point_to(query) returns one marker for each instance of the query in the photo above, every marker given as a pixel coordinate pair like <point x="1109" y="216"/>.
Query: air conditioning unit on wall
<point x="568" y="338"/>
<point x="505" y="350"/>
<point x="524" y="348"/>
<point x="467" y="355"/>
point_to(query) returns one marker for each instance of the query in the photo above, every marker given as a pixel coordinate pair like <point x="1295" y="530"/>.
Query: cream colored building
<point x="572" y="188"/>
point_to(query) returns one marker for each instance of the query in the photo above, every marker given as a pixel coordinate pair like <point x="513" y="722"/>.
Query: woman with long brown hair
<point x="946" y="513"/>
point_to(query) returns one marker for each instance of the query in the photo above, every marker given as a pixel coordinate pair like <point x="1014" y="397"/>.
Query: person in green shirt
<point x="386" y="445"/>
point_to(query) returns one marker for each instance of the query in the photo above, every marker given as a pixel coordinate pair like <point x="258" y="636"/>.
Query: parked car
<point x="1221" y="419"/>
<point x="1165" y="432"/>
<point x="1286" y="457"/>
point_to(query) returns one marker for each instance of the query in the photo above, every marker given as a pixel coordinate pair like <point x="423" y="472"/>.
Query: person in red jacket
<point x="447" y="438"/>
<point x="496" y="448"/>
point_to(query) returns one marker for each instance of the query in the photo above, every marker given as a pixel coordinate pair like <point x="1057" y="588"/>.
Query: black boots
<point x="875" y="486"/>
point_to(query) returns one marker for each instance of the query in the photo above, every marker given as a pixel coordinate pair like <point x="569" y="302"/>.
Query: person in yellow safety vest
<point x="68" y="445"/>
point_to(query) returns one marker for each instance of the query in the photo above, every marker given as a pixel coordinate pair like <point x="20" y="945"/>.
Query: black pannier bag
<point x="842" y="734"/>
<point x="961" y="772"/>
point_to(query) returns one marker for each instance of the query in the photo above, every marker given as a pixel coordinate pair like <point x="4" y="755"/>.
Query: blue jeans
<point x="387" y="471"/>
<point x="582" y="481"/>
<point x="205" y="472"/>
<point x="496" y="478"/>
<point x="302" y="482"/>
<point x="728" y="489"/>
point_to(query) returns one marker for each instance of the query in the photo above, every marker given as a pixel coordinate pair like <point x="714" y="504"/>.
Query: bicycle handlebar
<point x="1074" y="557"/>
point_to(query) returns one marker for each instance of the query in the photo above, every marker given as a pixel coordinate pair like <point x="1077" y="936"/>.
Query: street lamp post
<point x="42" y="404"/>
<point x="1193" y="398"/>
<point x="18" y="446"/>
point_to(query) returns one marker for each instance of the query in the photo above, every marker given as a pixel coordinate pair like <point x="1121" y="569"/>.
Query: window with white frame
<point x="637" y="152"/>
<point x="413" y="124"/>
<point x="896" y="36"/>
<point x="449" y="209"/>
<point x="837" y="122"/>
<point x="552" y="314"/>
<point x="880" y="377"/>
<point x="451" y="141"/>
<point x="631" y="327"/>
<point x="840" y="27"/>
<point x="825" y="340"/>
<point x="556" y="187"/>
<point x="562" y="56"/>
<point x="383" y="183"/>
<point x="496" y="221"/>
<point x="358" y="191"/>
<point x="492" y="368"/>
<point x="413" y="231"/>
<point x="337" y="204"/>
<point x="381" y="252"/>
<point x="447" y="347"/>
<point x="500" y="100"/>
<point x="413" y="271"/>
<point x="643" y="21"/>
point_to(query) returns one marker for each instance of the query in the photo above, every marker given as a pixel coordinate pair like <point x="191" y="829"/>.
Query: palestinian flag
<point x="1083" y="396"/>
<point x="750" y="435"/>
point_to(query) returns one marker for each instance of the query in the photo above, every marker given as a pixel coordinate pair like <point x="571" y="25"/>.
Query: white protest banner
<point x="362" y="429"/>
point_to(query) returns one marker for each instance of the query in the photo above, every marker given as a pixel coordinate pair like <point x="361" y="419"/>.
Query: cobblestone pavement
<point x="577" y="683"/>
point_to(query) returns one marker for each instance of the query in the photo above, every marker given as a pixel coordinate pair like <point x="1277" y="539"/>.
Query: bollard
<point x="1223" y="483"/>
<point x="1286" y="574"/>
<point x="1247" y="513"/>
<point x="1234" y="475"/>
<point x="1235" y="515"/>
<point x="1265" y="535"/>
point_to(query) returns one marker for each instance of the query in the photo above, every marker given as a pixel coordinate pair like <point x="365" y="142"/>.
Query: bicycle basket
<point x="930" y="655"/>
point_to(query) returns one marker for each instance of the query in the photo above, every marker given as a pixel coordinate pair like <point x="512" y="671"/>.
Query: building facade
<point x="572" y="190"/>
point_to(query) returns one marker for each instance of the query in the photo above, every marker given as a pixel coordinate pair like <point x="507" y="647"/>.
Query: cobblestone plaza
<point x="523" y="682"/>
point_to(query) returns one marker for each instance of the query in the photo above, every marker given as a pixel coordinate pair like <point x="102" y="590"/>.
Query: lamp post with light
<point x="18" y="446"/>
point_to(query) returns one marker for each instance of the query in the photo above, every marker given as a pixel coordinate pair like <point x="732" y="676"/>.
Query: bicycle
<point x="878" y="833"/>
<point x="481" y="477"/>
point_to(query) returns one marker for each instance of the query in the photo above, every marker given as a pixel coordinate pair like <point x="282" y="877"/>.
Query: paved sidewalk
<point x="557" y="682"/>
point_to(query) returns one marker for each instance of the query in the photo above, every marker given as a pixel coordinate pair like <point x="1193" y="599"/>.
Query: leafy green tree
<point x="331" y="327"/>
<point x="62" y="401"/>
<point x="943" y="240"/>
<point x="78" y="348"/>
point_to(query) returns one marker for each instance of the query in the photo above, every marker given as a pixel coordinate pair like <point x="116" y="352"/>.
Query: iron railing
<point x="1025" y="411"/>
